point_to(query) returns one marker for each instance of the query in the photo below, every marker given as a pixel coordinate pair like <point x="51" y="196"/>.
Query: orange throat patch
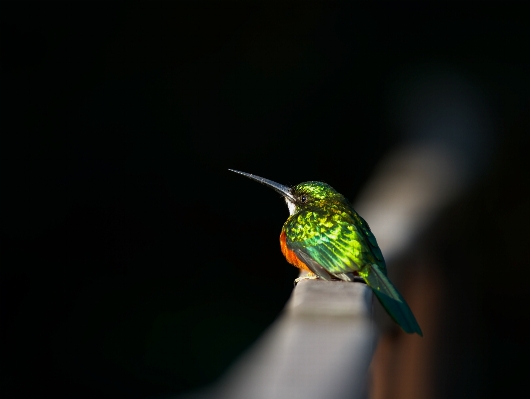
<point x="290" y="255"/>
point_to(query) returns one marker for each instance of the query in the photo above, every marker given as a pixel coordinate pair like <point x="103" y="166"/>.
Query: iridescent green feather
<point x="329" y="231"/>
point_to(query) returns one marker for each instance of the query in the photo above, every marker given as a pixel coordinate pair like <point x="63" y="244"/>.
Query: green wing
<point x="338" y="240"/>
<point x="370" y="238"/>
<point x="341" y="242"/>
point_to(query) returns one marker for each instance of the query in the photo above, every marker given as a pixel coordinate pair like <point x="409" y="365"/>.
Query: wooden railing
<point x="320" y="347"/>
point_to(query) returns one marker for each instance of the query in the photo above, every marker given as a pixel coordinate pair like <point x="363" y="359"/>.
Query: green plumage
<point x="334" y="242"/>
<point x="326" y="229"/>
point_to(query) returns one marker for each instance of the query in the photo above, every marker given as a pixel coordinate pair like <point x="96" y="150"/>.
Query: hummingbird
<point x="327" y="238"/>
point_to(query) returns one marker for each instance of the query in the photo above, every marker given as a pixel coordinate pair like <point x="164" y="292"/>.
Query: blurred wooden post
<point x="320" y="347"/>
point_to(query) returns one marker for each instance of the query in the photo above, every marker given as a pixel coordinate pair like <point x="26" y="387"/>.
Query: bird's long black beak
<point x="283" y="190"/>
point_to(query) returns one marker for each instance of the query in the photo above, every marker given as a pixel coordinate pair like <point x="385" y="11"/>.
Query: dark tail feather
<point x="392" y="301"/>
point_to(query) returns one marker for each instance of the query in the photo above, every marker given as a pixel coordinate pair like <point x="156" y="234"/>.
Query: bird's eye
<point x="303" y="198"/>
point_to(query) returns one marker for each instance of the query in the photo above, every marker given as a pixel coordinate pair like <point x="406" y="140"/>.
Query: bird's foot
<point x="308" y="276"/>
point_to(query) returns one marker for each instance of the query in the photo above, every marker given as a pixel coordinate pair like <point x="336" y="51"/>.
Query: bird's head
<point x="303" y="195"/>
<point x="312" y="193"/>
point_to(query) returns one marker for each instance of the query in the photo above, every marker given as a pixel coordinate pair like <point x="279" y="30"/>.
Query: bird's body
<point x="328" y="231"/>
<point x="326" y="237"/>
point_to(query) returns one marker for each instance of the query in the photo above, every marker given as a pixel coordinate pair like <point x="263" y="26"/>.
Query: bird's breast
<point x="290" y="255"/>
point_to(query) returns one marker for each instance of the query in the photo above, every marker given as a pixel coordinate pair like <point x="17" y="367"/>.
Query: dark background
<point x="133" y="263"/>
